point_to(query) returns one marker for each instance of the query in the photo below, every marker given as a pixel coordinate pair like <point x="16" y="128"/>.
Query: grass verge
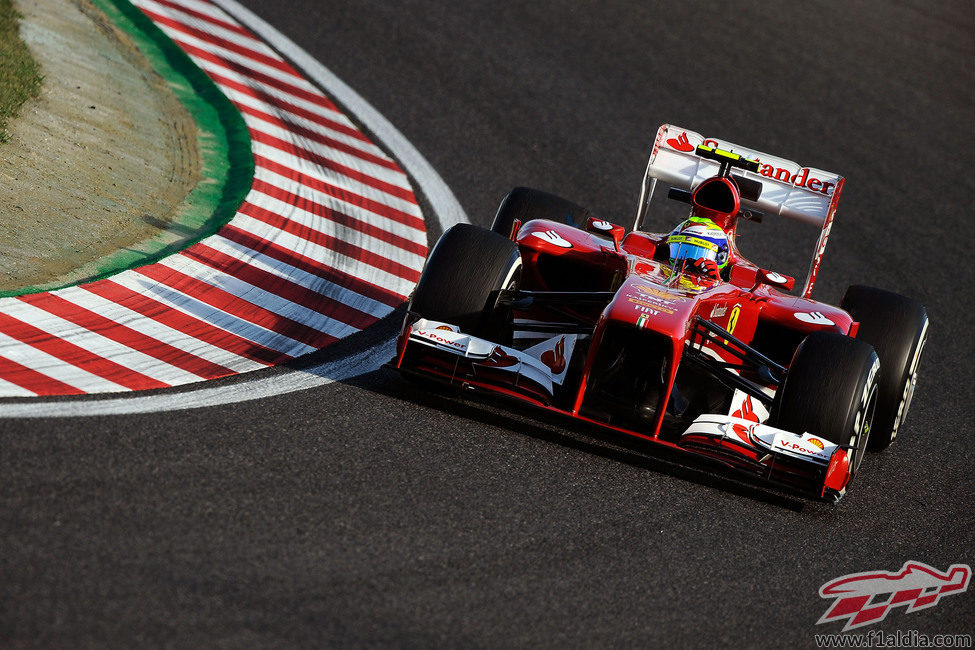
<point x="20" y="77"/>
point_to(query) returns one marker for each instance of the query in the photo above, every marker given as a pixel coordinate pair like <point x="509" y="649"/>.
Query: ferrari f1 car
<point x="607" y="326"/>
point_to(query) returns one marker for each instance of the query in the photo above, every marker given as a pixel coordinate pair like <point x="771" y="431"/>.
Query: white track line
<point x="445" y="207"/>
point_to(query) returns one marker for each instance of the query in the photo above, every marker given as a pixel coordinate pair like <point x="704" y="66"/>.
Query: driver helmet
<point x="695" y="238"/>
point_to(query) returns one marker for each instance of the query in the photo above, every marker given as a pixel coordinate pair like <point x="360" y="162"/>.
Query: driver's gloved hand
<point x="705" y="267"/>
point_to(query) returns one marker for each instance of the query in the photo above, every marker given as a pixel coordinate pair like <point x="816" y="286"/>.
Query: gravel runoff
<point x="103" y="160"/>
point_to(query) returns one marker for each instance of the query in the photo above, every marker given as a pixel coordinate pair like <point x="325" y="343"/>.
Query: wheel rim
<point x="862" y="437"/>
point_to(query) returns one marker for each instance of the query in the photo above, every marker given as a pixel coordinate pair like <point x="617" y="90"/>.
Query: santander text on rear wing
<point x="787" y="188"/>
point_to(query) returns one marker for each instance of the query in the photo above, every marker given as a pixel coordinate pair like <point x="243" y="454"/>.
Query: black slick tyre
<point x="897" y="328"/>
<point x="525" y="204"/>
<point x="463" y="274"/>
<point x="830" y="391"/>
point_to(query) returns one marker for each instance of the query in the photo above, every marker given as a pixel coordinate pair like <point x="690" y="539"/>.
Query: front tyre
<point x="831" y="391"/>
<point x="897" y="328"/>
<point x="463" y="274"/>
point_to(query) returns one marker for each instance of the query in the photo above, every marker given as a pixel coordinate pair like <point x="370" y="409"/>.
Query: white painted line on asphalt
<point x="445" y="207"/>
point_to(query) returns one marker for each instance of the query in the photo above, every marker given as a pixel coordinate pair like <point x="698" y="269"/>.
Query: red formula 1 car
<point x="675" y="338"/>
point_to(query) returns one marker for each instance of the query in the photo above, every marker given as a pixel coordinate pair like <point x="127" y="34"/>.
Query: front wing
<point x="809" y="464"/>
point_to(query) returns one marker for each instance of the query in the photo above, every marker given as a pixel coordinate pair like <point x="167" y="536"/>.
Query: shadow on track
<point x="552" y="428"/>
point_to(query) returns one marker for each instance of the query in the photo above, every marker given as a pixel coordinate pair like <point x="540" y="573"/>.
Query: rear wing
<point x="787" y="188"/>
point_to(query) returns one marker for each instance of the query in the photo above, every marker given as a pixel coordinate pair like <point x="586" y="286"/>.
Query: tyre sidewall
<point x="896" y="327"/>
<point x="830" y="391"/>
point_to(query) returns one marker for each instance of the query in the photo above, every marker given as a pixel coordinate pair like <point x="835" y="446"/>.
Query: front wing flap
<point x="537" y="370"/>
<point x="807" y="461"/>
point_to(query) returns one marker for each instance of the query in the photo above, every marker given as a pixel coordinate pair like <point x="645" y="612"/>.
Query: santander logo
<point x="499" y="359"/>
<point x="743" y="432"/>
<point x="813" y="318"/>
<point x="747" y="411"/>
<point x="866" y="598"/>
<point x="555" y="358"/>
<point x="553" y="237"/>
<point x="681" y="143"/>
<point x="784" y="175"/>
<point x="799" y="177"/>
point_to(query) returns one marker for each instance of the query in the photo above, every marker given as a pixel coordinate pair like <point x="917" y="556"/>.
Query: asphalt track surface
<point x="366" y="512"/>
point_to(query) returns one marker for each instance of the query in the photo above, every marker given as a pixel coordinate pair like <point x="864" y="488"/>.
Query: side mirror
<point x="776" y="279"/>
<point x="606" y="229"/>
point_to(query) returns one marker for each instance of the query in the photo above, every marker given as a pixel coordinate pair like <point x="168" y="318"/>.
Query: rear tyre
<point x="460" y="282"/>
<point x="830" y="391"/>
<point x="525" y="204"/>
<point x="897" y="328"/>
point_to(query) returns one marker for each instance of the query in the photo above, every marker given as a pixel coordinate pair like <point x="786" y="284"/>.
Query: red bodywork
<point x="644" y="287"/>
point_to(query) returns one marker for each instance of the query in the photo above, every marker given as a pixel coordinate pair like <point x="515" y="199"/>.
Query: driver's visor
<point x="691" y="248"/>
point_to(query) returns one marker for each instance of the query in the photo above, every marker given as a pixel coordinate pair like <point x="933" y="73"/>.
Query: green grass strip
<point x="20" y="77"/>
<point x="223" y="138"/>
